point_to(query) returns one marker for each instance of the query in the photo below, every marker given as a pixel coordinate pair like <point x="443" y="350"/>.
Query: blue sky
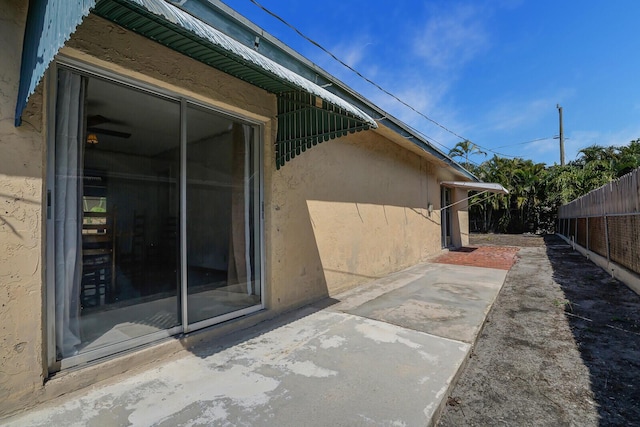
<point x="491" y="71"/>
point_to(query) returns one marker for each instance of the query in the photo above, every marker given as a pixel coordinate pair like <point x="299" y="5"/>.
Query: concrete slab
<point x="323" y="369"/>
<point x="372" y="359"/>
<point x="445" y="300"/>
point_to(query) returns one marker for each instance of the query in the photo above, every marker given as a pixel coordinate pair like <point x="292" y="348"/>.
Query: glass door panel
<point x="117" y="255"/>
<point x="116" y="208"/>
<point x="445" y="214"/>
<point x="222" y="261"/>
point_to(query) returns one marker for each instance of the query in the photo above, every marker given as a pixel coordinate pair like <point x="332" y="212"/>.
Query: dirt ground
<point x="561" y="346"/>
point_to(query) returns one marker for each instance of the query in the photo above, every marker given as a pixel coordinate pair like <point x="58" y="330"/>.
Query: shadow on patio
<point x="604" y="317"/>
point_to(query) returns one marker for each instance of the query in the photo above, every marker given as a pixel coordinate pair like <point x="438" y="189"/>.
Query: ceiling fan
<point x="97" y="120"/>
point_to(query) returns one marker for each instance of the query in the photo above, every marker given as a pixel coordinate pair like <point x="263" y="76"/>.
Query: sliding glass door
<point x="445" y="213"/>
<point x="220" y="216"/>
<point x="155" y="228"/>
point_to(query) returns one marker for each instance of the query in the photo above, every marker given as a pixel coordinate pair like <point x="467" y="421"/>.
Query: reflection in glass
<point x="116" y="198"/>
<point x="221" y="230"/>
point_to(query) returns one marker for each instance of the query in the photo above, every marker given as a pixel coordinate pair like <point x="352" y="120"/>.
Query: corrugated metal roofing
<point x="165" y="23"/>
<point x="219" y="15"/>
<point x="303" y="124"/>
<point x="49" y="25"/>
<point x="307" y="115"/>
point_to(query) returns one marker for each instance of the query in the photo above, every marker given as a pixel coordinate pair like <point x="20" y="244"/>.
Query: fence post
<point x="586" y="242"/>
<point x="606" y="225"/>
<point x="606" y="237"/>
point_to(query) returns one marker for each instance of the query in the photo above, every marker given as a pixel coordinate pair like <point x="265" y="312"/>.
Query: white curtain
<point x="68" y="210"/>
<point x="247" y="205"/>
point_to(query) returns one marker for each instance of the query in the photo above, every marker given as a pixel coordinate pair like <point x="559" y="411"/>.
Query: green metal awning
<point x="307" y="113"/>
<point x="49" y="25"/>
<point x="305" y="121"/>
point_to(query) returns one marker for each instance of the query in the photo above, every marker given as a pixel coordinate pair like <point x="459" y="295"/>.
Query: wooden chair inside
<point x="98" y="259"/>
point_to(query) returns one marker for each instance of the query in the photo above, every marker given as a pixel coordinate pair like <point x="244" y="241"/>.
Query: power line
<point x="525" y="142"/>
<point x="377" y="86"/>
<point x="435" y="141"/>
<point x="497" y="152"/>
<point x="319" y="46"/>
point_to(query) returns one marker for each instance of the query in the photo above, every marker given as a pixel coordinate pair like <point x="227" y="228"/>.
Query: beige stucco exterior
<point x="21" y="225"/>
<point x="341" y="214"/>
<point x="348" y="211"/>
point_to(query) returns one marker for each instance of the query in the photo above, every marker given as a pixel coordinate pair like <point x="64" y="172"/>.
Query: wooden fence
<point x="607" y="221"/>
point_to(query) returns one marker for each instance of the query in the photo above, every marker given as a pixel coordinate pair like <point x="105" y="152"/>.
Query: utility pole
<point x="561" y="136"/>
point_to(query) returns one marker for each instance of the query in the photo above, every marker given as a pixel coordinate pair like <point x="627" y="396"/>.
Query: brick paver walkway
<point x="500" y="257"/>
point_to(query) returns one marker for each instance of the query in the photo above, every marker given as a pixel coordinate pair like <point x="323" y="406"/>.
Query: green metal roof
<point x="49" y="25"/>
<point x="51" y="22"/>
<point x="307" y="113"/>
<point x="140" y="20"/>
<point x="304" y="123"/>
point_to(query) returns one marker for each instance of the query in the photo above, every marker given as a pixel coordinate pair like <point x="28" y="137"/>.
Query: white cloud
<point x="426" y="97"/>
<point x="452" y="39"/>
<point x="353" y="52"/>
<point x="514" y="114"/>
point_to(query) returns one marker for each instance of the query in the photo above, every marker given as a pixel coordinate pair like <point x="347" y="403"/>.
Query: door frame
<point x="80" y="67"/>
<point x="445" y="215"/>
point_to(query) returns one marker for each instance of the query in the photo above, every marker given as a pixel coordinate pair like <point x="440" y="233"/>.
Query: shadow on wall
<point x="350" y="210"/>
<point x="21" y="158"/>
<point x="360" y="241"/>
<point x="604" y="319"/>
<point x="4" y="216"/>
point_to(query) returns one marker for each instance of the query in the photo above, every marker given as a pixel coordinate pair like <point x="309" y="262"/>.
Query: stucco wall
<point x="21" y="171"/>
<point x="343" y="213"/>
<point x="349" y="211"/>
<point x="104" y="43"/>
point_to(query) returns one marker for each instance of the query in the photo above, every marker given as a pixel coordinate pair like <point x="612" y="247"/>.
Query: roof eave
<point x="244" y="31"/>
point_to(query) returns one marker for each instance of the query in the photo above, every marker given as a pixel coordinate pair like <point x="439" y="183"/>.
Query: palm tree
<point x="597" y="166"/>
<point x="529" y="184"/>
<point x="536" y="191"/>
<point x="496" y="207"/>
<point x="465" y="149"/>
<point x="628" y="158"/>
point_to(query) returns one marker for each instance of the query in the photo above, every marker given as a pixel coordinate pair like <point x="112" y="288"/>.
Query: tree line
<point x="537" y="190"/>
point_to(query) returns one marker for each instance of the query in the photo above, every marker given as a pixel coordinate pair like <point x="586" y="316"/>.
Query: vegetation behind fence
<point x="607" y="221"/>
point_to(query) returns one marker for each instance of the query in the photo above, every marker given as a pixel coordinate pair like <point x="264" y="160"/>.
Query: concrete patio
<point x="385" y="353"/>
